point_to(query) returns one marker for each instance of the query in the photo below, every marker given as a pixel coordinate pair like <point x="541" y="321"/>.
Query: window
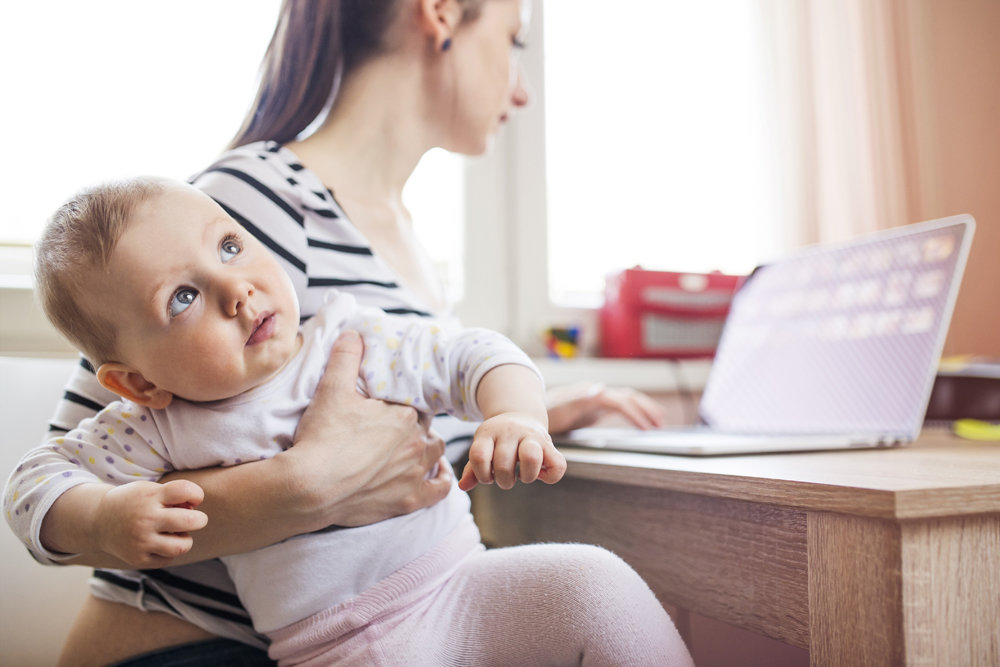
<point x="113" y="88"/>
<point x="110" y="88"/>
<point x="118" y="88"/>
<point x="645" y="144"/>
<point x="656" y="142"/>
<point x="435" y="198"/>
<point x="648" y="142"/>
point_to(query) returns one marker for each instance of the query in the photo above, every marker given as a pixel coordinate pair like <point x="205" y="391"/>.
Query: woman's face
<point x="488" y="82"/>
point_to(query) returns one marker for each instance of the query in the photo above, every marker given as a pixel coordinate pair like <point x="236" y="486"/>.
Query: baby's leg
<point x="552" y="604"/>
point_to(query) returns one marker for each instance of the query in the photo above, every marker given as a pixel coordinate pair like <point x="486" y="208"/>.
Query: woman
<point x="412" y="74"/>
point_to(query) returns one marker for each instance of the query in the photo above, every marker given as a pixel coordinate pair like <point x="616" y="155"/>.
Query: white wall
<point x="37" y="603"/>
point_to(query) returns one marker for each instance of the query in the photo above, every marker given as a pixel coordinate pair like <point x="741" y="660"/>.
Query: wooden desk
<point x="870" y="557"/>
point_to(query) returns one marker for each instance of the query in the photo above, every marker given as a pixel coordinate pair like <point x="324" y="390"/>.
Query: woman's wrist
<point x="311" y="497"/>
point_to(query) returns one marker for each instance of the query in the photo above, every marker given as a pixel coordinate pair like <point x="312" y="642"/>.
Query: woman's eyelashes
<point x="181" y="299"/>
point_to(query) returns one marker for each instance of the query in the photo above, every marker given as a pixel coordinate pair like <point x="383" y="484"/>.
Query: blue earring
<point x="446" y="44"/>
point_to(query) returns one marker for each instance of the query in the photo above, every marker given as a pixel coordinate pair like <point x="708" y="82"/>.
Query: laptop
<point x="834" y="347"/>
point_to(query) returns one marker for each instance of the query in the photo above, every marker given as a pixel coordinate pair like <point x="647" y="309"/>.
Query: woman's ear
<point x="439" y="20"/>
<point x="132" y="385"/>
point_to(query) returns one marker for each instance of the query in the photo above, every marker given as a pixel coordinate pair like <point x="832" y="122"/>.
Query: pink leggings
<point x="546" y="604"/>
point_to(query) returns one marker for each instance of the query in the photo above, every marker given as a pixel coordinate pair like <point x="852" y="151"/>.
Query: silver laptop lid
<point x="840" y="338"/>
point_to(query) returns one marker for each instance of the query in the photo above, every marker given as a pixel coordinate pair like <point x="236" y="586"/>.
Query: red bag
<point x="665" y="315"/>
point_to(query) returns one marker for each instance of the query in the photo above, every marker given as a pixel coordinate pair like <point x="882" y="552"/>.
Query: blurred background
<point x="679" y="136"/>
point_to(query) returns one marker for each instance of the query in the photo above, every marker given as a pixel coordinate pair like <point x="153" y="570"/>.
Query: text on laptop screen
<point x="839" y="338"/>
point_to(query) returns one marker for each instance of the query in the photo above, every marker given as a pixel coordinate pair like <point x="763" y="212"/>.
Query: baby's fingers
<point x="468" y="480"/>
<point x="179" y="520"/>
<point x="505" y="455"/>
<point x="181" y="493"/>
<point x="553" y="464"/>
<point x="168" y="546"/>
<point x="481" y="459"/>
<point x="529" y="460"/>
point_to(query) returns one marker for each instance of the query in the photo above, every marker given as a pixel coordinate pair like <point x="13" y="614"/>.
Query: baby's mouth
<point x="263" y="328"/>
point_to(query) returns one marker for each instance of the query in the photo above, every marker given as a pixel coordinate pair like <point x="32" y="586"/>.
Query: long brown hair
<point x="315" y="44"/>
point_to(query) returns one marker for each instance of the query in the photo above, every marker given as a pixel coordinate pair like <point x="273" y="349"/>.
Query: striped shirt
<point x="265" y="188"/>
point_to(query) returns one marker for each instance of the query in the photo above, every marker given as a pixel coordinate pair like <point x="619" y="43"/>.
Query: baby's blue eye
<point x="181" y="299"/>
<point x="229" y="249"/>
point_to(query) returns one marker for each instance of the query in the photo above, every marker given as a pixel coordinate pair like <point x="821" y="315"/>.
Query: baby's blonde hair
<point x="75" y="247"/>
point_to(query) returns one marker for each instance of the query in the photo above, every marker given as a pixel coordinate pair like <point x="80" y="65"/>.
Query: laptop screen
<point x="841" y="338"/>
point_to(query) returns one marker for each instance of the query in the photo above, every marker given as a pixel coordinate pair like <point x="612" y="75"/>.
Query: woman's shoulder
<point x="263" y="162"/>
<point x="269" y="169"/>
<point x="265" y="181"/>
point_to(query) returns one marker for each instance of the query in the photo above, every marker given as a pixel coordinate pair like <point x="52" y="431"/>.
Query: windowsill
<point x="24" y="331"/>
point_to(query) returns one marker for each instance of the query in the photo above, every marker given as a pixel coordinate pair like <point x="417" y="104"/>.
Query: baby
<point x="196" y="326"/>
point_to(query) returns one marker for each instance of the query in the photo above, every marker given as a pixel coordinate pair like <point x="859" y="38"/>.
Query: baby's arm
<point x="137" y="525"/>
<point x="513" y="442"/>
<point x="354" y="462"/>
<point x="101" y="477"/>
<point x="470" y="373"/>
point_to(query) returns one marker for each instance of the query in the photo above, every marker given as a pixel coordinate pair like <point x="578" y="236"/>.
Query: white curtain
<point x="843" y="106"/>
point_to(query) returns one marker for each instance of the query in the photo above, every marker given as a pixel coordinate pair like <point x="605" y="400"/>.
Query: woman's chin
<point x="473" y="146"/>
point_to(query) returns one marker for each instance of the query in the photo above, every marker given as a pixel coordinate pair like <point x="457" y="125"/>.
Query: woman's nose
<point x="519" y="93"/>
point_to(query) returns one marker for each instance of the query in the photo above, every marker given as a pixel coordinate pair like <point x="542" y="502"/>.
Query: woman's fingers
<point x="635" y="406"/>
<point x="582" y="404"/>
<point x="341" y="374"/>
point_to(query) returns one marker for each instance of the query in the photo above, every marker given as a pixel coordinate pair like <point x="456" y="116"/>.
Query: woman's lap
<point x="208" y="653"/>
<point x="107" y="632"/>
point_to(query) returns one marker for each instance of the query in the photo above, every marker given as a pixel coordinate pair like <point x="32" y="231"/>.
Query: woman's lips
<point x="263" y="328"/>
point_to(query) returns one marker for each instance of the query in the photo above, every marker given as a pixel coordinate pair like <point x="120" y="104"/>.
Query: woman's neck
<point x="365" y="152"/>
<point x="374" y="136"/>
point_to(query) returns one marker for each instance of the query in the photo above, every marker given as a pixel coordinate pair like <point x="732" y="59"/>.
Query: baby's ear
<point x="131" y="384"/>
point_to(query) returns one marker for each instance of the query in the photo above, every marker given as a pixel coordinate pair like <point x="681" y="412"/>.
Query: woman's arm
<point x="582" y="404"/>
<point x="355" y="461"/>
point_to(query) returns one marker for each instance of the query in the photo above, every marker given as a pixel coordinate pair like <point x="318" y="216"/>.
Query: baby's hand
<point x="146" y="524"/>
<point x="512" y="446"/>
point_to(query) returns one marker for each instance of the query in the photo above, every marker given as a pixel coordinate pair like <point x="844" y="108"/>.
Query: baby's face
<point x="203" y="309"/>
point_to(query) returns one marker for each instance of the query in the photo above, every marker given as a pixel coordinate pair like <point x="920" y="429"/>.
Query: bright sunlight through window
<point x="657" y="142"/>
<point x="112" y="88"/>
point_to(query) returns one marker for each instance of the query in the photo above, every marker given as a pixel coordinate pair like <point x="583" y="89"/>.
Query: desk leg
<point x="904" y="593"/>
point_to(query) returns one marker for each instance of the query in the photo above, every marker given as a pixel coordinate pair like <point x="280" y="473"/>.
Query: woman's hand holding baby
<point x="376" y="454"/>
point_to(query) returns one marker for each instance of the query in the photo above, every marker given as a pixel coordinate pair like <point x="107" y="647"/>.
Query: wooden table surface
<point x="861" y="557"/>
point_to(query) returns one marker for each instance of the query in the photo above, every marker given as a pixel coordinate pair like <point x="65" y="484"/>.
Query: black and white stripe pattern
<point x="266" y="189"/>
